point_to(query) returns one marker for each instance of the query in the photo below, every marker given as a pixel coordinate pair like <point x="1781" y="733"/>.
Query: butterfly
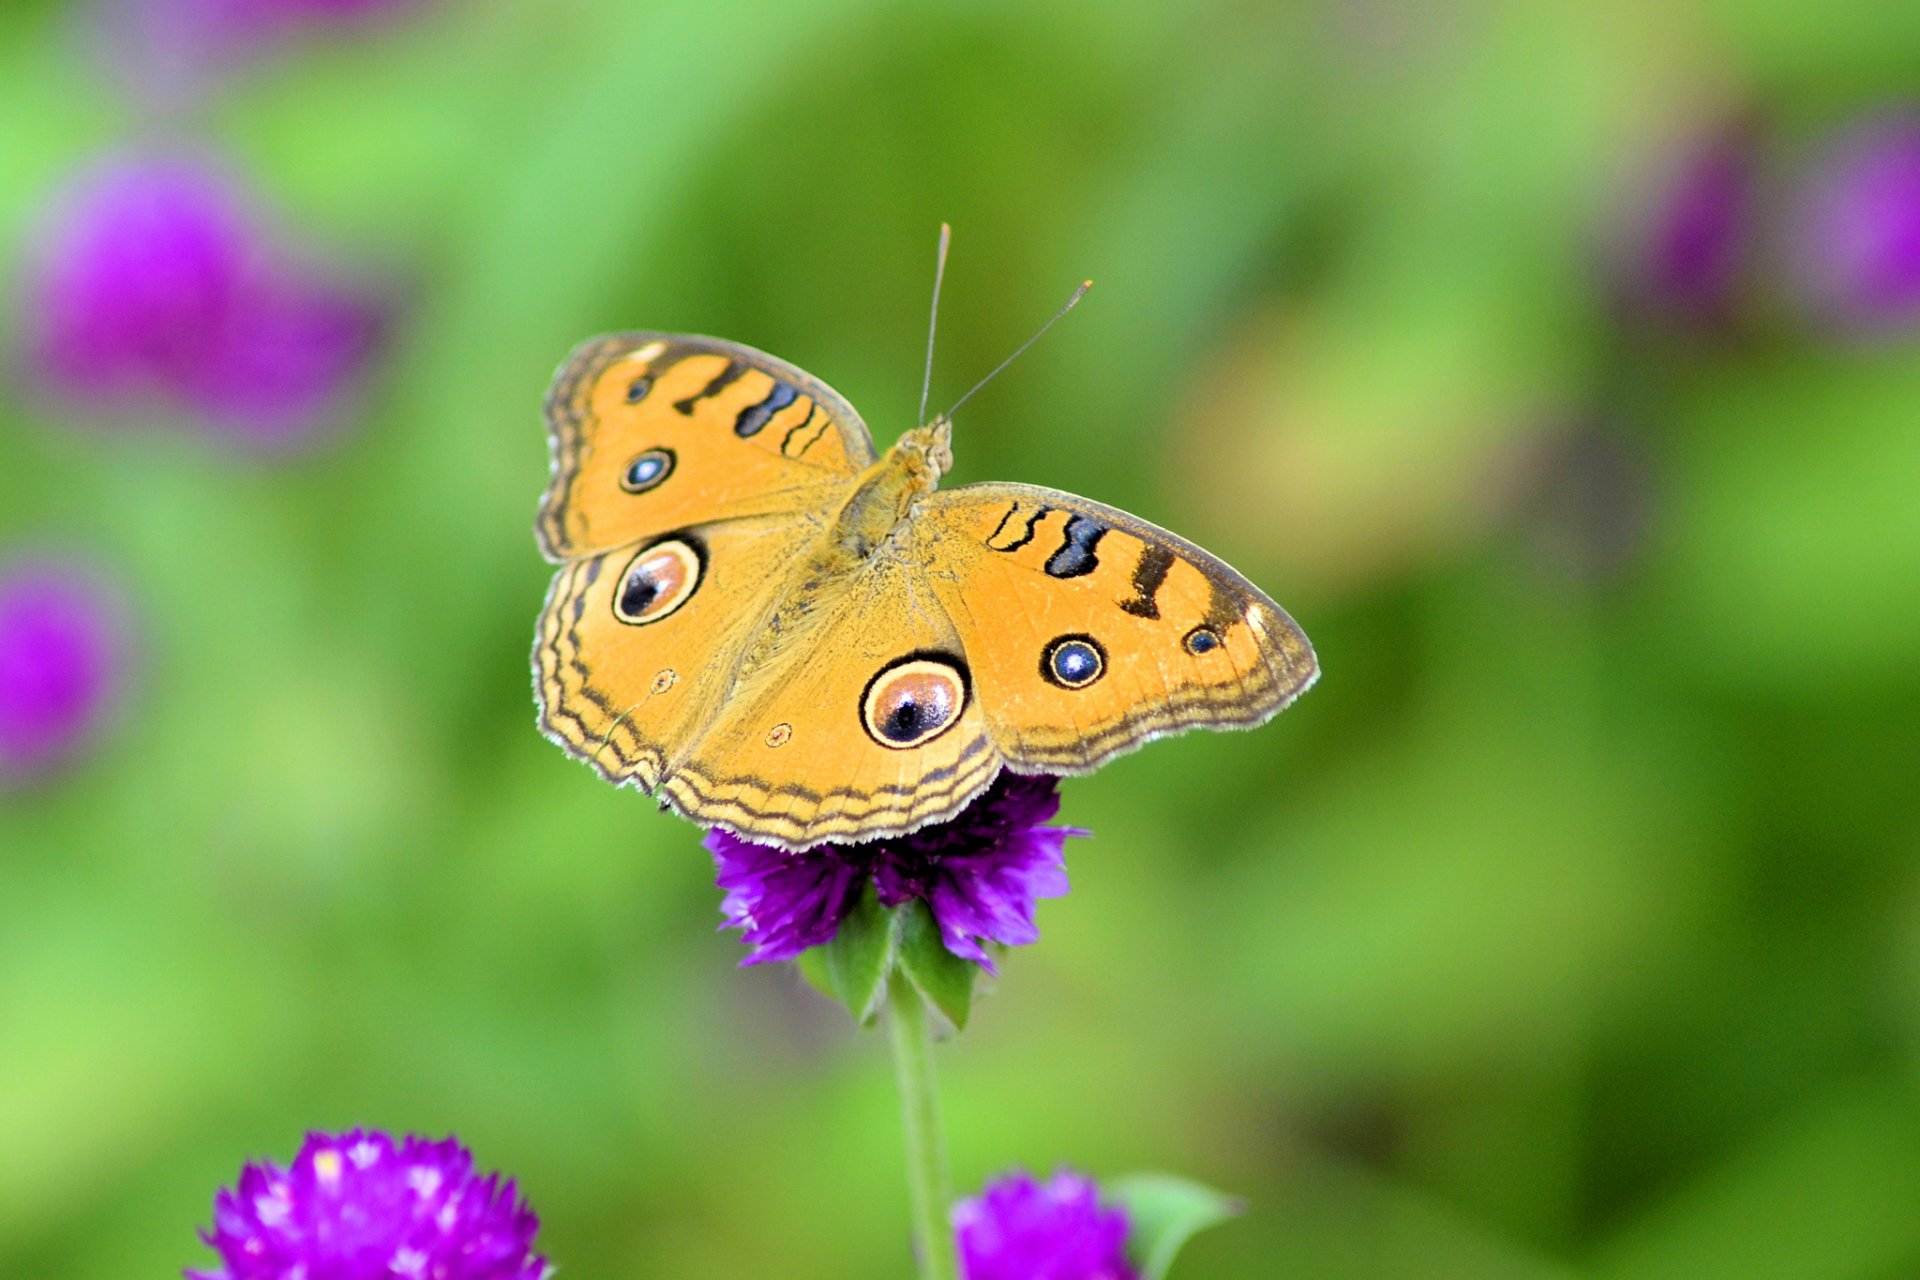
<point x="784" y="634"/>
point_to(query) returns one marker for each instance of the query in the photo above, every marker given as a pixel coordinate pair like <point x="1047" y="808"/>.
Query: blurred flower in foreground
<point x="981" y="875"/>
<point x="1695" y="233"/>
<point x="153" y="287"/>
<point x="361" y="1206"/>
<point x="61" y="654"/>
<point x="1019" y="1228"/>
<point x="1855" y="237"/>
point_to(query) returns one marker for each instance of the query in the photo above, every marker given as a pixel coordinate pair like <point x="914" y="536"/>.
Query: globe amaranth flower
<point x="62" y="659"/>
<point x="363" y="1206"/>
<point x="1697" y="228"/>
<point x="1855" y="234"/>
<point x="1020" y="1228"/>
<point x="154" y="287"/>
<point x="980" y="874"/>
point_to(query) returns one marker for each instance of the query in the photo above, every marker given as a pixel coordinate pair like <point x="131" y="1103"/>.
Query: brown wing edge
<point x="566" y="727"/>
<point x="586" y="362"/>
<point x="798" y="837"/>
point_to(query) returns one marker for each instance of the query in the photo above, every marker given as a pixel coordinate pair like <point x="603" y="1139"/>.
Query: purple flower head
<point x="1697" y="229"/>
<point x="61" y="656"/>
<point x="981" y="874"/>
<point x="1856" y="236"/>
<point x="155" y="287"/>
<point x="361" y="1206"/>
<point x="1020" y="1228"/>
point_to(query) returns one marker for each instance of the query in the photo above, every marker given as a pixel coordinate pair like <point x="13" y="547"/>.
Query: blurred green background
<point x="1570" y="927"/>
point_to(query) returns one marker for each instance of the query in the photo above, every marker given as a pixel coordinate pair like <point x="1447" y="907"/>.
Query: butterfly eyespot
<point x="779" y="734"/>
<point x="647" y="470"/>
<point x="638" y="388"/>
<point x="1073" y="662"/>
<point x="664" y="679"/>
<point x="913" y="701"/>
<point x="658" y="580"/>
<point x="1201" y="640"/>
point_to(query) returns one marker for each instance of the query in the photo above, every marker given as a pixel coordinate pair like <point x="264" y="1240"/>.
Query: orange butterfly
<point x="791" y="638"/>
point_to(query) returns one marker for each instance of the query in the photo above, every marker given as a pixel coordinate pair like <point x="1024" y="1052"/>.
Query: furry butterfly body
<point x="783" y="634"/>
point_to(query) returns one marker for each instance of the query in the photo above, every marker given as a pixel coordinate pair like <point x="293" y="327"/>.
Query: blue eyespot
<point x="647" y="470"/>
<point x="1202" y="640"/>
<point x="1073" y="662"/>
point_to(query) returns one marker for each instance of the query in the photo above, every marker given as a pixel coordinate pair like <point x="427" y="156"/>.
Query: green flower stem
<point x="927" y="1180"/>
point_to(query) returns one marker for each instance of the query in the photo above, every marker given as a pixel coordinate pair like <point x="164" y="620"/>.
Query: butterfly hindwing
<point x="866" y="725"/>
<point x="623" y="672"/>
<point x="653" y="431"/>
<point x="1090" y="631"/>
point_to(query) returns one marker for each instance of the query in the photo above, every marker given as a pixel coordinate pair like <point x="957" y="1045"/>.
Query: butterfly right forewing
<point x="1091" y="631"/>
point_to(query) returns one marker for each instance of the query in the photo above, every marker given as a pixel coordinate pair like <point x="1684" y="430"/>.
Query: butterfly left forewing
<point x="653" y="431"/>
<point x="1090" y="631"/>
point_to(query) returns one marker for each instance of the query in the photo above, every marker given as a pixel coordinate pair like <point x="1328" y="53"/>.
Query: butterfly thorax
<point x="877" y="503"/>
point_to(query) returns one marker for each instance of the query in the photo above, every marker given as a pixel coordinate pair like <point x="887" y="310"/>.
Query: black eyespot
<point x="638" y="388"/>
<point x="1073" y="662"/>
<point x="914" y="700"/>
<point x="647" y="470"/>
<point x="657" y="581"/>
<point x="1202" y="640"/>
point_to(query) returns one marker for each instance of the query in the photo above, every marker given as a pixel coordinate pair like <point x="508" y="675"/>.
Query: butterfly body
<point x="784" y="635"/>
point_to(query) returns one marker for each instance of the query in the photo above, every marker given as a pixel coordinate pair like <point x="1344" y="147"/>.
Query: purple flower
<point x="360" y="1206"/>
<point x="176" y="49"/>
<point x="1856" y="237"/>
<point x="61" y="657"/>
<point x="156" y="287"/>
<point x="1022" y="1229"/>
<point x="981" y="874"/>
<point x="1697" y="230"/>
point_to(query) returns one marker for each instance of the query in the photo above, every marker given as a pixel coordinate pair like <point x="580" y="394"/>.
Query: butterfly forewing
<point x="1090" y="631"/>
<point x="651" y="432"/>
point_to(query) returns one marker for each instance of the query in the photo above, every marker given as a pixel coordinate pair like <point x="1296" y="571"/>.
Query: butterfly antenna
<point x="933" y="321"/>
<point x="1078" y="294"/>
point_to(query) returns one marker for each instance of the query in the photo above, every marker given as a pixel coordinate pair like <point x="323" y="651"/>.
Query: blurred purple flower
<point x="1019" y="1228"/>
<point x="1698" y="228"/>
<point x="1855" y="239"/>
<point x="176" y="49"/>
<point x="155" y="286"/>
<point x="361" y="1206"/>
<point x="62" y="649"/>
<point x="981" y="874"/>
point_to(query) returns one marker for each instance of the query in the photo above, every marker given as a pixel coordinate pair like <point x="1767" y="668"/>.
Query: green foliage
<point x="943" y="979"/>
<point x="1164" y="1212"/>
<point x="862" y="956"/>
<point x="877" y="945"/>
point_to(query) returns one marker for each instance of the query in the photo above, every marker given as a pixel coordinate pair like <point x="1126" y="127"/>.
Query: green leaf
<point x="942" y="977"/>
<point x="812" y="964"/>
<point x="861" y="955"/>
<point x="1165" y="1211"/>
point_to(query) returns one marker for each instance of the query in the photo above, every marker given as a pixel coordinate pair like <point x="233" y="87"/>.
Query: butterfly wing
<point x="866" y="725"/>
<point x="680" y="465"/>
<point x="1090" y="632"/>
<point x="653" y="431"/>
<point x="622" y="688"/>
